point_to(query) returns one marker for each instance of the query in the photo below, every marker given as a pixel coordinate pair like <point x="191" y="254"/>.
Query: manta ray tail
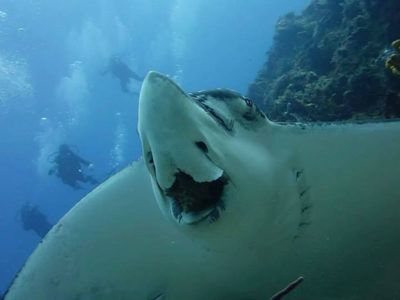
<point x="279" y="295"/>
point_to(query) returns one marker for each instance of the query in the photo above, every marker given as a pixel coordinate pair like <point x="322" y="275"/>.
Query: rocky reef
<point x="336" y="61"/>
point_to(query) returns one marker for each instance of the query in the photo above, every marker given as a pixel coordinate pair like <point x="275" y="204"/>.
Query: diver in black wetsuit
<point x="122" y="71"/>
<point x="33" y="219"/>
<point x="68" y="166"/>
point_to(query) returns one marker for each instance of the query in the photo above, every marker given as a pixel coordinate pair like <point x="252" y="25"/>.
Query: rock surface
<point x="328" y="63"/>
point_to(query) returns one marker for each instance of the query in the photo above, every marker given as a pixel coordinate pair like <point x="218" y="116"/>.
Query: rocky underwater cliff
<point x="338" y="60"/>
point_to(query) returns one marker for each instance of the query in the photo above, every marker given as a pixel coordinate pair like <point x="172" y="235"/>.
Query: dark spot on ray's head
<point x="150" y="157"/>
<point x="192" y="196"/>
<point x="150" y="160"/>
<point x="202" y="146"/>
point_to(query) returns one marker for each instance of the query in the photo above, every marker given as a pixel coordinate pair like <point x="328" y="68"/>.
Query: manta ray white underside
<point x="228" y="205"/>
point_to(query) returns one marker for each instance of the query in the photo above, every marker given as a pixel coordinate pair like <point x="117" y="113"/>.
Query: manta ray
<point x="226" y="204"/>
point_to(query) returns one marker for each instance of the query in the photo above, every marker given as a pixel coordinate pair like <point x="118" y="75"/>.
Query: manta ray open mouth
<point x="195" y="201"/>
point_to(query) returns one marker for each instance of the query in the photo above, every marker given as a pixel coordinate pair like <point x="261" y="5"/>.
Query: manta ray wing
<point x="228" y="205"/>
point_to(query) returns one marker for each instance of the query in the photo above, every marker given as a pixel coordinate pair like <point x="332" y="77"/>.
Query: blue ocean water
<point x="52" y="54"/>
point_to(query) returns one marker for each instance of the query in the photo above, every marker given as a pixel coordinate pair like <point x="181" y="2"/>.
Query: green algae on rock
<point x="328" y="63"/>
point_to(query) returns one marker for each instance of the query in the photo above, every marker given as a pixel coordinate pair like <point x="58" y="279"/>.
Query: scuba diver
<point x="122" y="71"/>
<point x="33" y="219"/>
<point x="68" y="167"/>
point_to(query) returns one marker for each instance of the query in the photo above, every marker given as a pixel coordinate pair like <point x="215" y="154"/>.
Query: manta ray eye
<point x="248" y="101"/>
